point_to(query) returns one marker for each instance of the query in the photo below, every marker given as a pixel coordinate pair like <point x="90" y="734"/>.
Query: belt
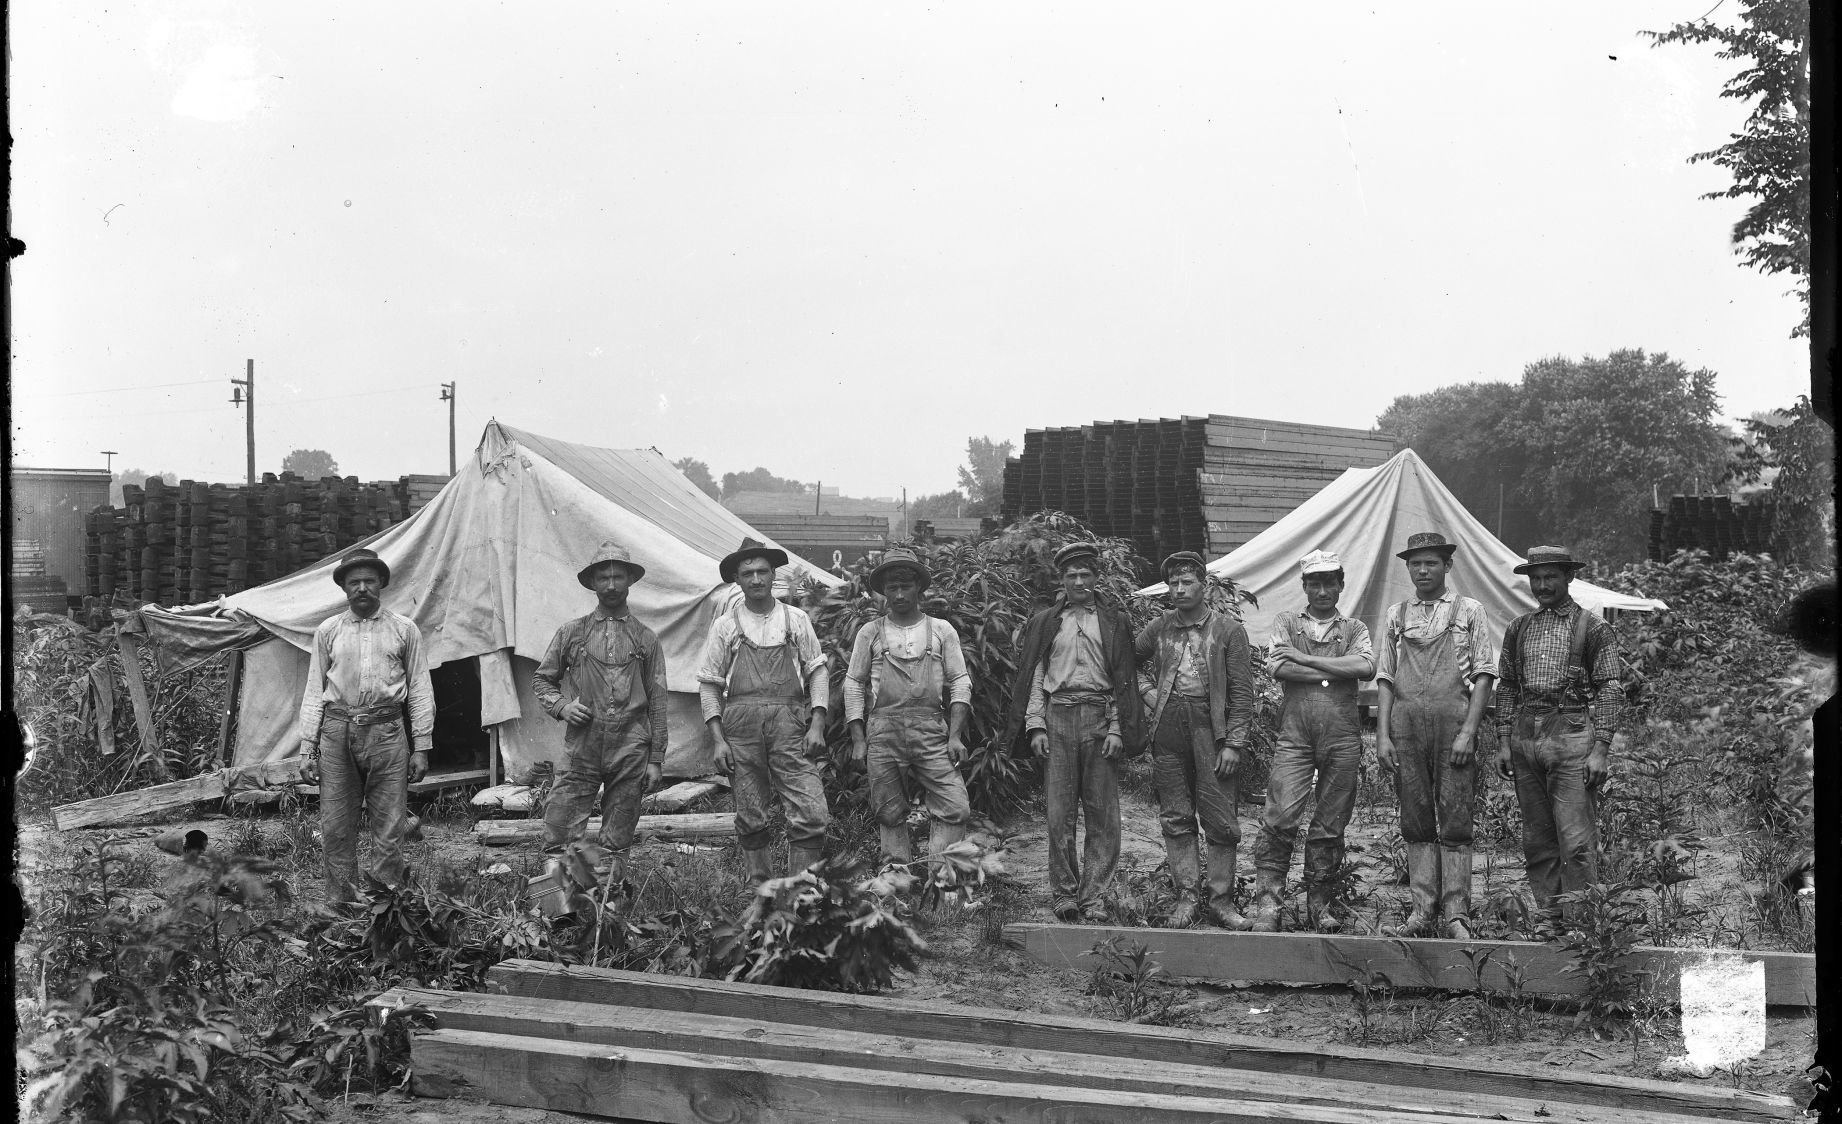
<point x="365" y="715"/>
<point x="1080" y="698"/>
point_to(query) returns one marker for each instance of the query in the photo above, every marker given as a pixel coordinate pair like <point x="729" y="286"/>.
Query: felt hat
<point x="1187" y="556"/>
<point x="1320" y="562"/>
<point x="610" y="551"/>
<point x="1549" y="556"/>
<point x="750" y="548"/>
<point x="357" y="558"/>
<point x="1074" y="551"/>
<point x="898" y="558"/>
<point x="1429" y="540"/>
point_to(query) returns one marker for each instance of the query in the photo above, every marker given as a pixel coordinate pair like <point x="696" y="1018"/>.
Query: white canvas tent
<point x="1365" y="516"/>
<point x="488" y="571"/>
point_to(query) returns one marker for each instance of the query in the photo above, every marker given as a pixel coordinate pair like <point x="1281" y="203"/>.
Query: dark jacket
<point x="1231" y="676"/>
<point x="1115" y="648"/>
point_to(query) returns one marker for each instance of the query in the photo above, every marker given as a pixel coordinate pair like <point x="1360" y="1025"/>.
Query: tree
<point x="137" y="477"/>
<point x="1769" y="158"/>
<point x="941" y="505"/>
<point x="758" y="480"/>
<point x="982" y="476"/>
<point x="310" y="464"/>
<point x="1797" y="451"/>
<point x="698" y="473"/>
<point x="1460" y="431"/>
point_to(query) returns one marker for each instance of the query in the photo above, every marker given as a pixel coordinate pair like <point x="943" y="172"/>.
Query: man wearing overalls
<point x="1202" y="705"/>
<point x="764" y="687"/>
<point x="604" y="676"/>
<point x="1435" y="672"/>
<point x="1559" y="700"/>
<point x="909" y="670"/>
<point x="1318" y="656"/>
<point x="366" y="668"/>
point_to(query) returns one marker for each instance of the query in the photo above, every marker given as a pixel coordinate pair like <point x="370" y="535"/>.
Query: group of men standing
<point x="1079" y="701"/>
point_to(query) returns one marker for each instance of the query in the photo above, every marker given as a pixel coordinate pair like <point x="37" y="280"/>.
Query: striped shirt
<point x="1534" y="673"/>
<point x="369" y="661"/>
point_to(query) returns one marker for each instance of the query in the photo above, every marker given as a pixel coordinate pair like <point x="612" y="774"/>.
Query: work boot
<point x="1185" y="873"/>
<point x="1221" y="886"/>
<point x="1423" y="872"/>
<point x="1268" y="886"/>
<point x="1320" y="908"/>
<point x="897" y="842"/>
<point x="1455" y="891"/>
<point x="799" y="858"/>
<point x="940" y="836"/>
<point x="756" y="864"/>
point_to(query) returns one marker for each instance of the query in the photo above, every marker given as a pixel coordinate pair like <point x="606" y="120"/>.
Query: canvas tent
<point x="487" y="570"/>
<point x="1365" y="516"/>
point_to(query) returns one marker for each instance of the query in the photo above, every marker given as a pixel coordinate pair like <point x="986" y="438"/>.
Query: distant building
<point x="47" y="507"/>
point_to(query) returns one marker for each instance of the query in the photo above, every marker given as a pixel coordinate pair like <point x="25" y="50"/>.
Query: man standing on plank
<point x="604" y="675"/>
<point x="764" y="690"/>
<point x="1318" y="656"/>
<point x="1076" y="695"/>
<point x="1559" y="700"/>
<point x="1199" y="717"/>
<point x="366" y="668"/>
<point x="907" y="698"/>
<point x="1436" y="672"/>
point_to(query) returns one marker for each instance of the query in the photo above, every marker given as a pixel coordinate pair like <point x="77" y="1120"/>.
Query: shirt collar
<point x="601" y="614"/>
<point x="1441" y="599"/>
<point x="1177" y="621"/>
<point x="1564" y="609"/>
<point x="353" y="618"/>
<point x="1305" y="615"/>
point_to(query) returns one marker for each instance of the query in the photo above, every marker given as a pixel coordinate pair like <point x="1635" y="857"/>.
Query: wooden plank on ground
<point x="699" y="825"/>
<point x="685" y="1088"/>
<point x="173" y="795"/>
<point x="609" y="1025"/>
<point x="992" y="1027"/>
<point x="137" y="695"/>
<point x="677" y="796"/>
<point x="434" y="782"/>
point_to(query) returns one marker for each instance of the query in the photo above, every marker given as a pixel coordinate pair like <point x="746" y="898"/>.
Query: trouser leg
<point x="383" y="761"/>
<point x="1288" y="789"/>
<point x="623" y="781"/>
<point x="1173" y="774"/>
<point x="572" y="794"/>
<point x="744" y="730"/>
<point x="888" y="801"/>
<point x="1061" y="792"/>
<point x="797" y="782"/>
<point x="1100" y="808"/>
<point x="341" y="796"/>
<point x="1575" y="812"/>
<point x="1541" y="853"/>
<point x="1339" y="764"/>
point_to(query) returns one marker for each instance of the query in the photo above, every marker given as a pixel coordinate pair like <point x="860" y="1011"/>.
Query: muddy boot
<point x="1268" y="886"/>
<point x="799" y="858"/>
<point x="756" y="865"/>
<point x="1222" y="858"/>
<point x="1423" y="883"/>
<point x="897" y="842"/>
<point x="1320" y="908"/>
<point x="1455" y="891"/>
<point x="1185" y="872"/>
<point x="940" y="836"/>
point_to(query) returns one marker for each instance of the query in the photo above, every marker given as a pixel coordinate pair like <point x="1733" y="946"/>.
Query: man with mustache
<point x="366" y="667"/>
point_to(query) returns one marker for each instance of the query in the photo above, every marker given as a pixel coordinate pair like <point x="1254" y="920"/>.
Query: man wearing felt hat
<point x="1435" y="672"/>
<point x="1559" y="700"/>
<point x="764" y="688"/>
<point x="907" y="697"/>
<point x="1318" y="655"/>
<point x="366" y="668"/>
<point x="1201" y="708"/>
<point x="604" y="677"/>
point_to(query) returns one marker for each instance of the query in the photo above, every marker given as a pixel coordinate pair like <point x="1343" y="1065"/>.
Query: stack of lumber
<point x="1712" y="523"/>
<point x="671" y="1048"/>
<point x="27" y="584"/>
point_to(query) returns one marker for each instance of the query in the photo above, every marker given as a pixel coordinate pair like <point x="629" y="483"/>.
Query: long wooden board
<point x="130" y="646"/>
<point x="675" y="1087"/>
<point x="434" y="782"/>
<point x="698" y="825"/>
<point x="173" y="795"/>
<point x="992" y="1027"/>
<point x="608" y="1025"/>
<point x="1314" y="958"/>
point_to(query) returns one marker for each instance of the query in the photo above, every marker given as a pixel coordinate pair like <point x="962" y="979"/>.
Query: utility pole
<point x="449" y="396"/>
<point x="816" y="494"/>
<point x="243" y="393"/>
<point x="904" y="514"/>
<point x="109" y="465"/>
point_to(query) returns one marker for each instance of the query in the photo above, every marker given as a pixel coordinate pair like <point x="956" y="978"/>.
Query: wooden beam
<point x="233" y="682"/>
<point x="137" y="695"/>
<point x="1313" y="958"/>
<point x="685" y="1088"/>
<point x="700" y="825"/>
<point x="173" y="795"/>
<point x="434" y="782"/>
<point x="1133" y="1044"/>
<point x="677" y="796"/>
<point x="608" y="1025"/>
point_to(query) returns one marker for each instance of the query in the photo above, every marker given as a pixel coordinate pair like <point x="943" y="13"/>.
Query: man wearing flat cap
<point x="1435" y="672"/>
<point x="1559" y="700"/>
<point x="604" y="677"/>
<point x="1076" y="696"/>
<point x="764" y="689"/>
<point x="907" y="697"/>
<point x="1201" y="708"/>
<point x="366" y="668"/>
<point x="1318" y="655"/>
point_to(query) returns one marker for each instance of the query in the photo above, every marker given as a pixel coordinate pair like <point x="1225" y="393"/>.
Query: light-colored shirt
<point x="1424" y="620"/>
<point x="1076" y="666"/>
<point x="865" y="672"/>
<point x="369" y="661"/>
<point x="780" y="625"/>
<point x="1319" y="631"/>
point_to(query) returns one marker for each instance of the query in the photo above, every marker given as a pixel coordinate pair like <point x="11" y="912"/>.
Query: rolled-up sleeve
<point x="1483" y="647"/>
<point x="418" y="690"/>
<point x="713" y="673"/>
<point x="953" y="662"/>
<point x="653" y="658"/>
<point x="806" y="644"/>
<point x="1238" y="657"/>
<point x="1384" y="659"/>
<point x="857" y="676"/>
<point x="1034" y="717"/>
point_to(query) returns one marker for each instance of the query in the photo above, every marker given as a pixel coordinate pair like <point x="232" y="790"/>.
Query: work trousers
<point x="1079" y="778"/>
<point x="1560" y="829"/>
<point x="913" y="739"/>
<point x="1183" y="769"/>
<point x="363" y="763"/>
<point x="767" y="740"/>
<point x="608" y="759"/>
<point x="1319" y="750"/>
<point x="1437" y="798"/>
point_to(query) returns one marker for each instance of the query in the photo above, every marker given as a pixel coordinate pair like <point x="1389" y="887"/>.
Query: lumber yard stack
<point x="1712" y="523"/>
<point x="28" y="586"/>
<point x="1191" y="483"/>
<point x="645" y="1047"/>
<point x="193" y="541"/>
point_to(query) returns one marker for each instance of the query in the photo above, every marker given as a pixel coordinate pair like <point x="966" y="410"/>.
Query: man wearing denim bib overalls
<point x="604" y="675"/>
<point x="1435" y="672"/>
<point x="910" y="671"/>
<point x="763" y="688"/>
<point x="1318" y="656"/>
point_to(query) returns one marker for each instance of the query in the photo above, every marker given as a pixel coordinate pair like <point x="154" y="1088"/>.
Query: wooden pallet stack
<point x="27" y="584"/>
<point x="677" y="1049"/>
<point x="1712" y="523"/>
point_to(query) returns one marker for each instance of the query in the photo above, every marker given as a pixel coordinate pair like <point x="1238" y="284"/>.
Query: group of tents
<point x="487" y="570"/>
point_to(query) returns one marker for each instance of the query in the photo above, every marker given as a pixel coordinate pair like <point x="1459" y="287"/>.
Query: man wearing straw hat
<point x="1559" y="700"/>
<point x="604" y="676"/>
<point x="1436" y="671"/>
<point x="907" y="697"/>
<point x="366" y="668"/>
<point x="764" y="688"/>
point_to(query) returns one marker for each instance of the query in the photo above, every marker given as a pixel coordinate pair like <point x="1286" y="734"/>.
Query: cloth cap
<point x="750" y="548"/>
<point x="1075" y="551"/>
<point x="1549" y="556"/>
<point x="898" y="558"/>
<point x="356" y="558"/>
<point x="1428" y="540"/>
<point x="610" y="551"/>
<point x="1185" y="556"/>
<point x="1320" y="562"/>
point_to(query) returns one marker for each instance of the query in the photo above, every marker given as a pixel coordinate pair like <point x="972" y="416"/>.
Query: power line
<point x="116" y="389"/>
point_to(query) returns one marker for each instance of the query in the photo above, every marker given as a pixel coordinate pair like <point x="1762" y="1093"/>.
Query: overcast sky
<point x="835" y="240"/>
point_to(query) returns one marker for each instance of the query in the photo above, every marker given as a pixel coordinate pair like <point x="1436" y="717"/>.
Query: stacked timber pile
<point x="28" y="586"/>
<point x="193" y="541"/>
<point x="674" y="1048"/>
<point x="1712" y="523"/>
<point x="1206" y="484"/>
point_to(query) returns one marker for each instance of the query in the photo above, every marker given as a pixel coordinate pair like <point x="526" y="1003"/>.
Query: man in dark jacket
<point x="1201" y="706"/>
<point x="1076" y="695"/>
